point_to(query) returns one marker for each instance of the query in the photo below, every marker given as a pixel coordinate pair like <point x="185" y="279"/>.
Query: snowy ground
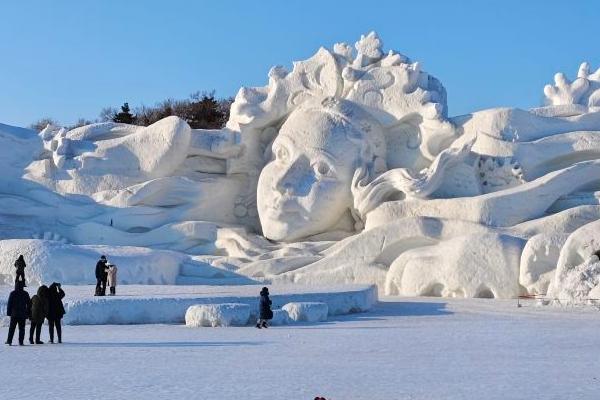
<point x="402" y="349"/>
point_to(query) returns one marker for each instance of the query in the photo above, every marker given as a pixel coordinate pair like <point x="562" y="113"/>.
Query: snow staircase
<point x="202" y="273"/>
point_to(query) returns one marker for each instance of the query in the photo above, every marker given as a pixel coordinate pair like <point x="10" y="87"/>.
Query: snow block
<point x="227" y="314"/>
<point x="280" y="317"/>
<point x="308" y="311"/>
<point x="167" y="304"/>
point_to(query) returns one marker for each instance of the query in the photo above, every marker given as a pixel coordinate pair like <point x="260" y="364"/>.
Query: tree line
<point x="202" y="110"/>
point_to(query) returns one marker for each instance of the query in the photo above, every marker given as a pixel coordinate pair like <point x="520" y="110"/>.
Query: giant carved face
<point x="305" y="188"/>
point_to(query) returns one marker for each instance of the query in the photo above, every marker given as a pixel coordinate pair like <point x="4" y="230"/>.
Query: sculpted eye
<point x="323" y="169"/>
<point x="281" y="154"/>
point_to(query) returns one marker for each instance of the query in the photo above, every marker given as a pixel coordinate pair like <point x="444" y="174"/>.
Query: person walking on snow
<point x="112" y="278"/>
<point x="264" y="309"/>
<point x="17" y="308"/>
<point x="101" y="276"/>
<point x="39" y="312"/>
<point x="56" y="310"/>
<point x="20" y="266"/>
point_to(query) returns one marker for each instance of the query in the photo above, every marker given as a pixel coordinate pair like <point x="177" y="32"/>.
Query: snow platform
<point x="157" y="304"/>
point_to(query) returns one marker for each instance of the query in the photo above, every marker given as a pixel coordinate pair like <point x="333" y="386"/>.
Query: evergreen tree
<point x="204" y="112"/>
<point x="125" y="116"/>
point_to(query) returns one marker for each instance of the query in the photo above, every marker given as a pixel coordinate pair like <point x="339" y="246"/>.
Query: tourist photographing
<point x="101" y="276"/>
<point x="56" y="310"/>
<point x="17" y="309"/>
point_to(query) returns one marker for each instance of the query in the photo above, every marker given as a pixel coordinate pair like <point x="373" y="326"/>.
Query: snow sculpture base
<point x="280" y="317"/>
<point x="307" y="311"/>
<point x="165" y="304"/>
<point x="213" y="315"/>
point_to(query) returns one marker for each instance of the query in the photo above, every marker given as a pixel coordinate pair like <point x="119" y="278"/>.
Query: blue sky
<point x="68" y="59"/>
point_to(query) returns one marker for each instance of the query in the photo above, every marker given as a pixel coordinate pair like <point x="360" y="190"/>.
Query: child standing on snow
<point x="20" y="266"/>
<point x="112" y="278"/>
<point x="264" y="309"/>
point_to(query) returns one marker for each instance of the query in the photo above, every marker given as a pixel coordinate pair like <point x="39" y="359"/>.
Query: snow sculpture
<point x="583" y="91"/>
<point x="346" y="169"/>
<point x="306" y="188"/>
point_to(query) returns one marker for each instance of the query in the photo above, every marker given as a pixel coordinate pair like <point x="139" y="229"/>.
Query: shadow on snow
<point x="161" y="344"/>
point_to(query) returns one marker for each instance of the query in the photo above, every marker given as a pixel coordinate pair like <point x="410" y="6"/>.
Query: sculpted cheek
<point x="265" y="184"/>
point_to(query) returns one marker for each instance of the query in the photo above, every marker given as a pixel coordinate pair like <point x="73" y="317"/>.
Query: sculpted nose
<point x="285" y="183"/>
<point x="296" y="181"/>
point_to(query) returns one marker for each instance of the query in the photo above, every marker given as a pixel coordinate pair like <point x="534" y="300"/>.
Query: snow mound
<point x="213" y="315"/>
<point x="52" y="261"/>
<point x="456" y="268"/>
<point x="579" y="284"/>
<point x="307" y="311"/>
<point x="49" y="261"/>
<point x="280" y="317"/>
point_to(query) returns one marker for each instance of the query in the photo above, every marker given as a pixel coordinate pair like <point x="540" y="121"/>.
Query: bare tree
<point x="80" y="122"/>
<point x="107" y="114"/>
<point x="42" y="123"/>
<point x="202" y="110"/>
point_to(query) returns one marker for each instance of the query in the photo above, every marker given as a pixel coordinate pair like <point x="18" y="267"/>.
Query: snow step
<point x="204" y="270"/>
<point x="213" y="281"/>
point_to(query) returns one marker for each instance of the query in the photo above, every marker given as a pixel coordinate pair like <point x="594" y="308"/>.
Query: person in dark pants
<point x="56" y="310"/>
<point x="264" y="309"/>
<point x="39" y="312"/>
<point x="101" y="277"/>
<point x="20" y="266"/>
<point x="17" y="308"/>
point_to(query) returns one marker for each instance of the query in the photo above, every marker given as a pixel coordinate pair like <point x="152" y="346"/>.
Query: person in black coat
<point x="20" y="266"/>
<point x="101" y="276"/>
<point x="264" y="309"/>
<point x="56" y="310"/>
<point x="18" y="309"/>
<point x="39" y="312"/>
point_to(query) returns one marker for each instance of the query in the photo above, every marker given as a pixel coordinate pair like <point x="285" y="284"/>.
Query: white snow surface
<point x="406" y="349"/>
<point x="213" y="315"/>
<point x="307" y="311"/>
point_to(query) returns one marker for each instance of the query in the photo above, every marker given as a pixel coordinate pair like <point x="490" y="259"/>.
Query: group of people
<point x="46" y="304"/>
<point x="106" y="273"/>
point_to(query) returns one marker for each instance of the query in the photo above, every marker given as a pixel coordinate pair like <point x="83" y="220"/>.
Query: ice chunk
<point x="307" y="311"/>
<point x="280" y="317"/>
<point x="227" y="314"/>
